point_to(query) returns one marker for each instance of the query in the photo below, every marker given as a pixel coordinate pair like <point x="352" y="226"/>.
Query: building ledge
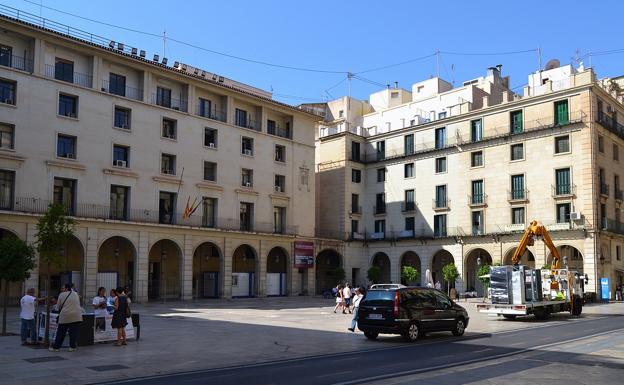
<point x="167" y="179"/>
<point x="280" y="196"/>
<point x="118" y="172"/>
<point x="209" y="186"/>
<point x="72" y="165"/>
<point x="247" y="191"/>
<point x="9" y="156"/>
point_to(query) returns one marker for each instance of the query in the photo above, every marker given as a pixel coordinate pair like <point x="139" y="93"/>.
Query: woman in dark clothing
<point x="119" y="321"/>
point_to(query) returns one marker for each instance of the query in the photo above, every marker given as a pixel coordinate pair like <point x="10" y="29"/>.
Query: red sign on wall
<point x="304" y="254"/>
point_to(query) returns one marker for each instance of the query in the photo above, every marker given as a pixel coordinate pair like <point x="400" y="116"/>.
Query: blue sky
<point x="356" y="36"/>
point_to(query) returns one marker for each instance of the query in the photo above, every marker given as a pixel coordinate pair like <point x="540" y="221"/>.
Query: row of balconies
<point x="457" y="140"/>
<point x="429" y="233"/>
<point x="476" y="200"/>
<point x="103" y="212"/>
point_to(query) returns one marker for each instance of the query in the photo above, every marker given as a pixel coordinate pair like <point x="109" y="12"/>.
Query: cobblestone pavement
<point x="197" y="335"/>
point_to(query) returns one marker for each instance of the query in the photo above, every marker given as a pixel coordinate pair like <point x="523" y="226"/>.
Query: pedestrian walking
<point x="339" y="299"/>
<point x="99" y="306"/>
<point x="438" y="286"/>
<point x="618" y="292"/>
<point x="357" y="298"/>
<point x="120" y="316"/>
<point x="27" y="316"/>
<point x="69" y="318"/>
<point x="346" y="293"/>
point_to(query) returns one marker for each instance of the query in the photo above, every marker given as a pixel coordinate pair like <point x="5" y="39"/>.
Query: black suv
<point x="409" y="311"/>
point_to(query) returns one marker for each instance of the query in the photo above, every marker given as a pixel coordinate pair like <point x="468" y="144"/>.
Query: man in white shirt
<point x="27" y="315"/>
<point x="99" y="309"/>
<point x="356" y="306"/>
<point x="346" y="293"/>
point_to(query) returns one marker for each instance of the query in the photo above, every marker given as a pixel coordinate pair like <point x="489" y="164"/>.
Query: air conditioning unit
<point x="167" y="171"/>
<point x="211" y="145"/>
<point x="278" y="189"/>
<point x="248" y="184"/>
<point x="574" y="216"/>
<point x="70" y="155"/>
<point x="120" y="163"/>
<point x="248" y="153"/>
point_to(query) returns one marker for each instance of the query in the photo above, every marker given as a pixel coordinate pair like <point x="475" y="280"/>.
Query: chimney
<point x="396" y="85"/>
<point x="499" y="67"/>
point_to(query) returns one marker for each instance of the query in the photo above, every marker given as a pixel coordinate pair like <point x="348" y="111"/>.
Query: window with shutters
<point x="561" y="113"/>
<point x="516" y="121"/>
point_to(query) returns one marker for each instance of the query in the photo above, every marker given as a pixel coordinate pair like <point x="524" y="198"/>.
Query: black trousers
<point x="74" y="332"/>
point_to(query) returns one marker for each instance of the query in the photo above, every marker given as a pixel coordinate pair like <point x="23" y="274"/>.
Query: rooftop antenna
<point x="539" y="58"/>
<point x="164" y="43"/>
<point x="349" y="77"/>
<point x="437" y="53"/>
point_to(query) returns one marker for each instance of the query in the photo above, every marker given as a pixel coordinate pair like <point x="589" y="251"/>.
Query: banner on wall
<point x="304" y="254"/>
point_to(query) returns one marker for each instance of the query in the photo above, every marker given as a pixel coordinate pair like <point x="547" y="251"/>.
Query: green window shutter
<point x="516" y="122"/>
<point x="561" y="112"/>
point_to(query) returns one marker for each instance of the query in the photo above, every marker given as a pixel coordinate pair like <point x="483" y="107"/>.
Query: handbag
<point x="61" y="308"/>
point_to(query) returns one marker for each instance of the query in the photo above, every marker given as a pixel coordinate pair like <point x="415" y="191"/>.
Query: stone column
<point x="395" y="266"/>
<point x="590" y="267"/>
<point x="97" y="73"/>
<point x="458" y="256"/>
<point x="142" y="267"/>
<point x="229" y="111"/>
<point x="187" y="268"/>
<point x="228" y="250"/>
<point x="39" y="57"/>
<point x="261" y="270"/>
<point x="147" y="87"/>
<point x="33" y="281"/>
<point x="90" y="263"/>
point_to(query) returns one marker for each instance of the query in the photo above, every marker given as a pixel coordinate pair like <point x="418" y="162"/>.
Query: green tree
<point x="16" y="260"/>
<point x="482" y="272"/>
<point x="54" y="229"/>
<point x="374" y="274"/>
<point x="450" y="274"/>
<point x="409" y="274"/>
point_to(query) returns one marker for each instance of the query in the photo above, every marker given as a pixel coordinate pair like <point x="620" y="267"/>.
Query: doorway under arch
<point x="117" y="264"/>
<point x="474" y="260"/>
<point x="244" y="271"/>
<point x="570" y="254"/>
<point x="277" y="272"/>
<point x="328" y="270"/>
<point x="165" y="259"/>
<point x="527" y="259"/>
<point x="70" y="269"/>
<point x="207" y="271"/>
<point x="382" y="261"/>
<point x="440" y="259"/>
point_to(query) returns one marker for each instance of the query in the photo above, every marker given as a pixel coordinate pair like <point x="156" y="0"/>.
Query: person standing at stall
<point x="69" y="318"/>
<point x="99" y="312"/>
<point x="120" y="316"/>
<point x="27" y="315"/>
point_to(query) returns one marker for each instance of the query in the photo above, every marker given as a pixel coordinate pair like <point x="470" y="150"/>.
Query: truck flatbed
<point x="523" y="309"/>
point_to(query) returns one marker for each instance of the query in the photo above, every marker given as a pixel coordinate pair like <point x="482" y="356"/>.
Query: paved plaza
<point x="178" y="337"/>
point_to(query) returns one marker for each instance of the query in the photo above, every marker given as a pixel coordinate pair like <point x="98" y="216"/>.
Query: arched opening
<point x="329" y="272"/>
<point x="276" y="272"/>
<point x="165" y="258"/>
<point x="474" y="260"/>
<point x="15" y="288"/>
<point x="527" y="259"/>
<point x="70" y="269"/>
<point x="440" y="259"/>
<point x="207" y="269"/>
<point x="116" y="264"/>
<point x="570" y="254"/>
<point x="382" y="261"/>
<point x="412" y="259"/>
<point x="244" y="267"/>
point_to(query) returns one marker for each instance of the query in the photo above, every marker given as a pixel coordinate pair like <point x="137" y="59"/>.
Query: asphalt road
<point x="389" y="357"/>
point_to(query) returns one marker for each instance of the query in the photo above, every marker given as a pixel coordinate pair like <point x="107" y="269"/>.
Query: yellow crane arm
<point x="536" y="229"/>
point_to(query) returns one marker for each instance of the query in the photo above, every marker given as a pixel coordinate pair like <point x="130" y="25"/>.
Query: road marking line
<point x="472" y="361"/>
<point x="482" y="350"/>
<point x="335" y="374"/>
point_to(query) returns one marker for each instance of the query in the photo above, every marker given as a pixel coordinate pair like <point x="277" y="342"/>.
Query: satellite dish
<point x="552" y="64"/>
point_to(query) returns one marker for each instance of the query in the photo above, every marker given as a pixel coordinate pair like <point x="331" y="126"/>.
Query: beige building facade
<point x="126" y="142"/>
<point x="442" y="174"/>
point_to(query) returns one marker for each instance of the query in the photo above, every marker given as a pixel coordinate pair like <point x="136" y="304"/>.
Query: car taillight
<point x="396" y="304"/>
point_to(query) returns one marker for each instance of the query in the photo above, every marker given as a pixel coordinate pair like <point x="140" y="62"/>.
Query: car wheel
<point x="460" y="327"/>
<point x="412" y="332"/>
<point x="371" y="335"/>
<point x="510" y="317"/>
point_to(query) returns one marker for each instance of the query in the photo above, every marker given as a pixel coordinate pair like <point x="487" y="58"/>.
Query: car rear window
<point x="379" y="297"/>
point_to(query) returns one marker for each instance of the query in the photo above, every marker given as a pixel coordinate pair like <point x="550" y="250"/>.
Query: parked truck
<point x="517" y="290"/>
